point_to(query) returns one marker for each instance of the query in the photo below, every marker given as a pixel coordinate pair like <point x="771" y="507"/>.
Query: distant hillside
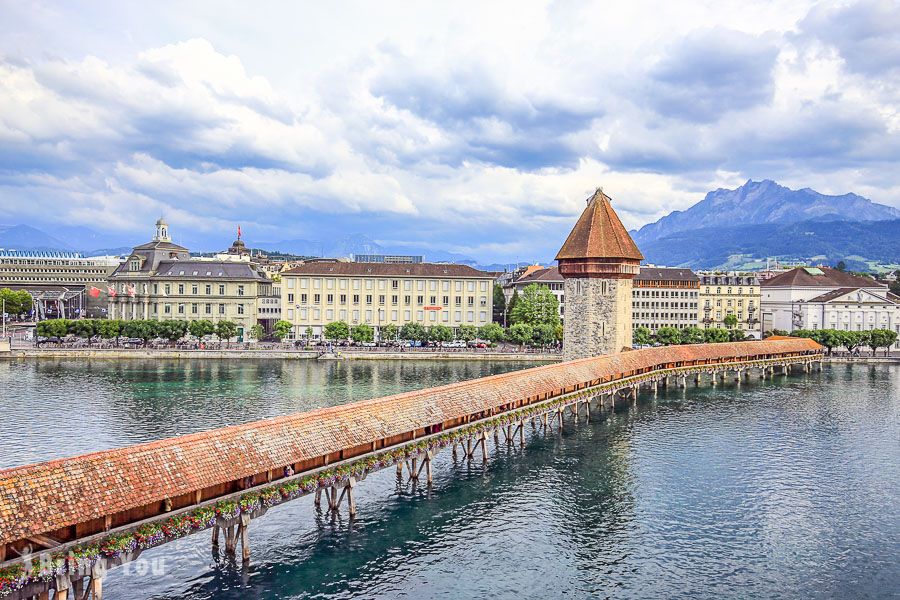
<point x="759" y="202"/>
<point x="25" y="237"/>
<point x="822" y="241"/>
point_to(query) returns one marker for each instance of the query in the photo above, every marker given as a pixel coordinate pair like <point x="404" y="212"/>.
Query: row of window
<point x="315" y="314"/>
<point x="667" y="316"/>
<point x="740" y="303"/>
<point x="395" y="300"/>
<point x="664" y="305"/>
<point x="663" y="294"/>
<point x="383" y="284"/>
<point x="194" y="288"/>
<point x="740" y="291"/>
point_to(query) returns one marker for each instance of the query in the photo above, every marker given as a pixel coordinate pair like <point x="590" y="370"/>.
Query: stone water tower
<point x="598" y="262"/>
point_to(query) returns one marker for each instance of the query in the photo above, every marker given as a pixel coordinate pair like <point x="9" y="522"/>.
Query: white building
<point x="823" y="298"/>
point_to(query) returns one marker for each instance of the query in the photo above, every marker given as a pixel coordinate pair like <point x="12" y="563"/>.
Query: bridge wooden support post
<point x="522" y="433"/>
<point x="484" y="446"/>
<point x="665" y="381"/>
<point x="697" y="378"/>
<point x="426" y="464"/>
<point x="713" y="380"/>
<point x="612" y="401"/>
<point x="245" y="537"/>
<point x="684" y="382"/>
<point x="634" y="394"/>
<point x="655" y="387"/>
<point x="96" y="583"/>
<point x="78" y="589"/>
<point x="229" y="540"/>
<point x="318" y="501"/>
<point x="61" y="585"/>
<point x="400" y="468"/>
<point x="215" y="536"/>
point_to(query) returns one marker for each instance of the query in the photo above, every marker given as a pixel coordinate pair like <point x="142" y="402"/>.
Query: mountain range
<point x="764" y="201"/>
<point x="743" y="227"/>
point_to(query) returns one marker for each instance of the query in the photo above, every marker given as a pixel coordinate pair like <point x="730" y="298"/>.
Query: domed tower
<point x="598" y="262"/>
<point x="162" y="231"/>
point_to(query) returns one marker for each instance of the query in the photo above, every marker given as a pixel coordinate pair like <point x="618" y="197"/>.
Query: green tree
<point x="833" y="338"/>
<point x="511" y="307"/>
<point x="139" y="328"/>
<point x="337" y="330"/>
<point x="730" y="321"/>
<point x="841" y="266"/>
<point x="440" y="334"/>
<point x="668" y="336"/>
<point x="641" y="337"/>
<point x="538" y="306"/>
<point x="111" y="329"/>
<point x="17" y="302"/>
<point x="308" y="332"/>
<point x="853" y="340"/>
<point x="466" y="333"/>
<point x="202" y="328"/>
<point x="691" y="335"/>
<point x="492" y="332"/>
<point x="558" y="333"/>
<point x="257" y="332"/>
<point x="736" y="335"/>
<point x="413" y="332"/>
<point x="282" y="329"/>
<point x="225" y="330"/>
<point x="85" y="328"/>
<point x="519" y="334"/>
<point x="173" y="329"/>
<point x="389" y="332"/>
<point x="888" y="339"/>
<point x="778" y="332"/>
<point x="362" y="333"/>
<point x="499" y="303"/>
<point x="715" y="336"/>
<point x="542" y="335"/>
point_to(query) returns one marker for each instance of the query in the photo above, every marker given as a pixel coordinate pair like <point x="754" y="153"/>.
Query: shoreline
<point x="28" y="353"/>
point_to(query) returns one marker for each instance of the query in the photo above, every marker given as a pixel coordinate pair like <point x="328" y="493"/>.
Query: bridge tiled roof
<point x="41" y="498"/>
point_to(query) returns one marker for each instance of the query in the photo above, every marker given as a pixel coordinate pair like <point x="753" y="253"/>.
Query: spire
<point x="599" y="234"/>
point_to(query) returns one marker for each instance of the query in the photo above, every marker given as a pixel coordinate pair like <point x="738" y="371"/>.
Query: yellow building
<point x="317" y="293"/>
<point x="160" y="280"/>
<point x="730" y="294"/>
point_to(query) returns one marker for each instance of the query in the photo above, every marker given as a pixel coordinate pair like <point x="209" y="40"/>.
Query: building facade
<point x="548" y="278"/>
<point x="378" y="294"/>
<point x="391" y="259"/>
<point x="160" y="280"/>
<point x="59" y="282"/>
<point x="727" y="294"/>
<point x="664" y="297"/>
<point x="598" y="262"/>
<point x="824" y="298"/>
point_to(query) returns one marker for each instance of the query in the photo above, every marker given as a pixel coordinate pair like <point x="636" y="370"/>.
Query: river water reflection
<point x="788" y="488"/>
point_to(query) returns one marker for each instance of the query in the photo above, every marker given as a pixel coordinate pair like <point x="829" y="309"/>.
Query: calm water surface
<point x="778" y="489"/>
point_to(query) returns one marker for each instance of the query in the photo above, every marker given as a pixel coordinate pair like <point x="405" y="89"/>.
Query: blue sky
<point x="453" y="126"/>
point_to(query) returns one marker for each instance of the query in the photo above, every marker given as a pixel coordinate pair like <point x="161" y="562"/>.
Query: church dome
<point x="162" y="223"/>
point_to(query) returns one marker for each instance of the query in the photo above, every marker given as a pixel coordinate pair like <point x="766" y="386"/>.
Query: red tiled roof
<point x="800" y="277"/>
<point x="41" y="498"/>
<point x="599" y="234"/>
<point x="336" y="268"/>
<point x="550" y="274"/>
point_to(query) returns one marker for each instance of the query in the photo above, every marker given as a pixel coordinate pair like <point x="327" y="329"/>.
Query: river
<point x="785" y="488"/>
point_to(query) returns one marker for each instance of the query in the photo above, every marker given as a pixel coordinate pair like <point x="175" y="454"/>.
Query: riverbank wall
<point x="19" y="353"/>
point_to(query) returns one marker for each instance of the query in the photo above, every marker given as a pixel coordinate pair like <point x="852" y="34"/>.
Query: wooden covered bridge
<point x="65" y="522"/>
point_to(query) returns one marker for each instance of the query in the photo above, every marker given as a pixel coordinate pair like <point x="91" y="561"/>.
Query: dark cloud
<point x="866" y="34"/>
<point x="711" y="73"/>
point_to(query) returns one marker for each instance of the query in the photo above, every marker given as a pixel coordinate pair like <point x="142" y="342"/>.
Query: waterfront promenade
<point x="104" y="508"/>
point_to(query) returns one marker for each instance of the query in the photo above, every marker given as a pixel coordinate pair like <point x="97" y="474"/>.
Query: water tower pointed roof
<point x="599" y="234"/>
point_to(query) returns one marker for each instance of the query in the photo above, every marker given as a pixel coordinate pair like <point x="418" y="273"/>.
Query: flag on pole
<point x="94" y="292"/>
<point x="130" y="290"/>
<point x="111" y="291"/>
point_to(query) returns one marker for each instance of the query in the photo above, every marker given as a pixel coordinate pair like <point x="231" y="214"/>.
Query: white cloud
<point x="476" y="128"/>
